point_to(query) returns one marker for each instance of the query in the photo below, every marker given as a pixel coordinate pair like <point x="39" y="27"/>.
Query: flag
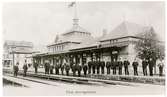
<point x="71" y="4"/>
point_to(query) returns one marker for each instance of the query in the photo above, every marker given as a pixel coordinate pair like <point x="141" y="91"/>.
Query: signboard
<point x="114" y="52"/>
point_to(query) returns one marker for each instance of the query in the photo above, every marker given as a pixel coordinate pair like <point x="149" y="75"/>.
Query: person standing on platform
<point x="102" y="65"/>
<point x="151" y="65"/>
<point x="98" y="66"/>
<point x="120" y="64"/>
<point x="48" y="67"/>
<point x="114" y="66"/>
<point x="93" y="67"/>
<point x="85" y="68"/>
<point x="144" y="66"/>
<point x="62" y="69"/>
<point x="161" y="66"/>
<point x="126" y="65"/>
<point x="89" y="67"/>
<point x="36" y="66"/>
<point x="79" y="68"/>
<point x="73" y="69"/>
<point x="45" y="66"/>
<point x="57" y="66"/>
<point x="67" y="68"/>
<point x="16" y="69"/>
<point x="25" y="68"/>
<point x="135" y="66"/>
<point x="108" y="66"/>
<point x="51" y="69"/>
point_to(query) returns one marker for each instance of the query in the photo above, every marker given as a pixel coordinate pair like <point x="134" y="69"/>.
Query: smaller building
<point x="17" y="51"/>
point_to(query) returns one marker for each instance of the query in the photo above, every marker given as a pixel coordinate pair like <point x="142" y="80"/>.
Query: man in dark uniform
<point x="151" y="65"/>
<point x="89" y="67"/>
<point x="161" y="66"/>
<point x="45" y="66"/>
<point x="67" y="68"/>
<point x="102" y="65"/>
<point x="114" y="67"/>
<point x="85" y="68"/>
<point x="120" y="64"/>
<point x="144" y="66"/>
<point x="108" y="66"/>
<point x="98" y="66"/>
<point x="79" y="68"/>
<point x="36" y="66"/>
<point x="74" y="69"/>
<point x="51" y="69"/>
<point x="62" y="69"/>
<point x="16" y="69"/>
<point x="93" y="67"/>
<point x="126" y="64"/>
<point x="48" y="67"/>
<point x="57" y="66"/>
<point x="135" y="66"/>
<point x="25" y="67"/>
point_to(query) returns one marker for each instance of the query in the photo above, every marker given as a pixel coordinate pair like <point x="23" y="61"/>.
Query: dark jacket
<point x="120" y="64"/>
<point x="16" y="68"/>
<point x="97" y="63"/>
<point x="151" y="63"/>
<point x="126" y="63"/>
<point x="135" y="64"/>
<point x="85" y="68"/>
<point x="67" y="67"/>
<point x="102" y="64"/>
<point x="115" y="64"/>
<point x="144" y="64"/>
<point x="108" y="64"/>
<point x="79" y="68"/>
<point x="25" y="67"/>
<point x="90" y="64"/>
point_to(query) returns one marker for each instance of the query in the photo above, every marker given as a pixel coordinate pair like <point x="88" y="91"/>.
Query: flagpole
<point x="75" y="16"/>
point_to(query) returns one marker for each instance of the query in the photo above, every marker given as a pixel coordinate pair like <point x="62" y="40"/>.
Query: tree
<point x="149" y="46"/>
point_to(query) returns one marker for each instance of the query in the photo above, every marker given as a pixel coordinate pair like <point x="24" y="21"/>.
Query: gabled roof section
<point x="123" y="30"/>
<point x="76" y="28"/>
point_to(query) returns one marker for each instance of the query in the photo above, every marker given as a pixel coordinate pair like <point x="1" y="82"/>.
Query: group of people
<point x="64" y="68"/>
<point x="25" y="68"/>
<point x="96" y="67"/>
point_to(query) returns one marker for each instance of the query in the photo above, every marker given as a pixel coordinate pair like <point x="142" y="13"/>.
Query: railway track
<point x="71" y="79"/>
<point x="51" y="82"/>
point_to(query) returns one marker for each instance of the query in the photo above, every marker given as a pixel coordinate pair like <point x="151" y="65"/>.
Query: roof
<point x="125" y="29"/>
<point x="92" y="42"/>
<point x="76" y="28"/>
<point x="18" y="43"/>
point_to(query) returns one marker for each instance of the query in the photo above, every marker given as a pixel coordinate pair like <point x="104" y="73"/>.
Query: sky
<point x="40" y="22"/>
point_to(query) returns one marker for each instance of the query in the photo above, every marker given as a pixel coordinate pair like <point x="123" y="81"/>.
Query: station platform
<point x="156" y="80"/>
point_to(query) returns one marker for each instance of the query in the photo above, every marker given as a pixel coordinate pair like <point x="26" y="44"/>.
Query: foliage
<point x="149" y="46"/>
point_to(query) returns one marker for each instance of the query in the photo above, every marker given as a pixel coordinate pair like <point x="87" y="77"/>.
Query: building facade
<point x="17" y="51"/>
<point x="78" y="46"/>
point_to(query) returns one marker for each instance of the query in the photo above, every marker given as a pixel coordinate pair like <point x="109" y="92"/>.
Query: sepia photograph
<point x="95" y="48"/>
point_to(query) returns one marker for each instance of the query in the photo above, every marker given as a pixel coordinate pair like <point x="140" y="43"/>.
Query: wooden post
<point x="81" y="58"/>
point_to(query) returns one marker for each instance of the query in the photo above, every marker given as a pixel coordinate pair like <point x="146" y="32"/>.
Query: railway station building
<point x="78" y="45"/>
